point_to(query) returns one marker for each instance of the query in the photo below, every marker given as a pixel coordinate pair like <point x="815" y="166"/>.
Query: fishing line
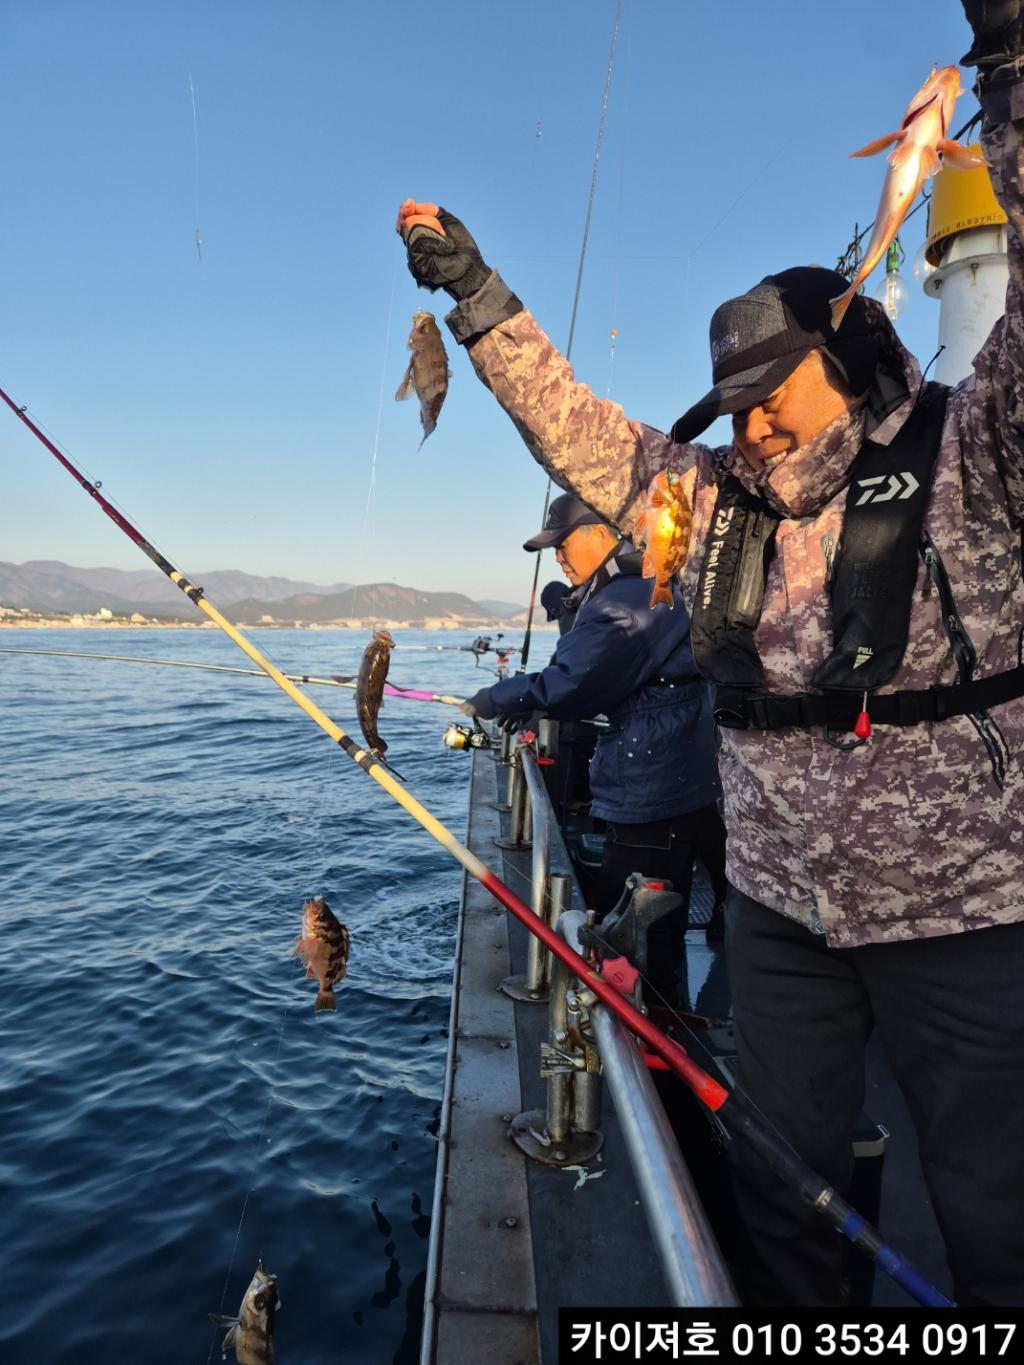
<point x="380" y="405"/>
<point x="252" y="1177"/>
<point x="525" y="652"/>
<point x="195" y="131"/>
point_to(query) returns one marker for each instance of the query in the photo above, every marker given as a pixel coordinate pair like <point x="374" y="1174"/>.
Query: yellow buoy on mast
<point x="966" y="245"/>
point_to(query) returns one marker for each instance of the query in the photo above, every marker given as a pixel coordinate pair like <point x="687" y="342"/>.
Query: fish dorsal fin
<point x="959" y="157"/>
<point x="407" y="388"/>
<point x="881" y="143"/>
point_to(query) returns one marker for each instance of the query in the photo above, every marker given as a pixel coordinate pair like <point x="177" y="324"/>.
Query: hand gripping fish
<point x="664" y="528"/>
<point x="427" y="375"/>
<point x="252" y="1331"/>
<point x="919" y="140"/>
<point x="323" y="947"/>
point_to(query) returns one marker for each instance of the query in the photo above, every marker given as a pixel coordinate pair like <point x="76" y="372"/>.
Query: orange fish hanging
<point x="664" y="529"/>
<point x="919" y="140"/>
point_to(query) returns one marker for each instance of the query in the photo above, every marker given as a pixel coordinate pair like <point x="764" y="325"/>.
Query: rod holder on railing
<point x="521" y="833"/>
<point x="505" y="749"/>
<point x="531" y="987"/>
<point x="692" y="1262"/>
<point x="554" y="1135"/>
<point x="547" y="738"/>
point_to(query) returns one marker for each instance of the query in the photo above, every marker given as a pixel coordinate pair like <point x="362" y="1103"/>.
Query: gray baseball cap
<point x="758" y="340"/>
<point x="565" y="514"/>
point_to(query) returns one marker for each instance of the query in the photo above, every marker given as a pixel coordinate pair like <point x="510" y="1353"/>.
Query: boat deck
<point x="514" y="1239"/>
<point x="518" y="1239"/>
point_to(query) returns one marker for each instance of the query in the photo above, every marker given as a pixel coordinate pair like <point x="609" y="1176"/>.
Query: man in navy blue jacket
<point x="653" y="777"/>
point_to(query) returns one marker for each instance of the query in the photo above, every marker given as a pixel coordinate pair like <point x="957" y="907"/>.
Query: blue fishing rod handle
<point x="862" y="1234"/>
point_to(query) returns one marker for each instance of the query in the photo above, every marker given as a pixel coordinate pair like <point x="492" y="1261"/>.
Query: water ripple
<point x="160" y="1058"/>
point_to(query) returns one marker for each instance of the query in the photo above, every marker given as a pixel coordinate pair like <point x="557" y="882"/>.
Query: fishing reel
<point x="463" y="737"/>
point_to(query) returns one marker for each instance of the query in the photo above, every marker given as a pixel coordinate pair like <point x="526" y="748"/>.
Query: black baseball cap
<point x="565" y="514"/>
<point x="758" y="340"/>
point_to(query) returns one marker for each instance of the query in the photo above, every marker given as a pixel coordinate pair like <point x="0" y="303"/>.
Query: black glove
<point x="510" y="724"/>
<point x="998" y="32"/>
<point x="452" y="262"/>
<point x="482" y="704"/>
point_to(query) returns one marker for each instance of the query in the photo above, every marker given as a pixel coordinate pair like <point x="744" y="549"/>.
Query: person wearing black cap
<point x="857" y="591"/>
<point x="653" y="777"/>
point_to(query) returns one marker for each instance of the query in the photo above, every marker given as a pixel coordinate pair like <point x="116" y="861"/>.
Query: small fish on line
<point x="427" y="375"/>
<point x="373" y="674"/>
<point x="663" y="527"/>
<point x="251" y="1333"/>
<point x="919" y="140"/>
<point x="323" y="947"/>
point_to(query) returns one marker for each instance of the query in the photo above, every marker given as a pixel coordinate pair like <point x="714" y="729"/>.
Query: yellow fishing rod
<point x="704" y="1086"/>
<point x="741" y="1117"/>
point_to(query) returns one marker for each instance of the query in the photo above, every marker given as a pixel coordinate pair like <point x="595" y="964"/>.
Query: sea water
<point x="171" y="1108"/>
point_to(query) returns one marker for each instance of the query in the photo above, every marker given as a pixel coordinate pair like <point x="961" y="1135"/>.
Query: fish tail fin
<point x="959" y="157"/>
<point x="661" y="592"/>
<point x="880" y="143"/>
<point x="325" y="1000"/>
<point x="385" y="764"/>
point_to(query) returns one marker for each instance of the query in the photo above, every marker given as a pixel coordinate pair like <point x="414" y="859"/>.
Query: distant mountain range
<point x="50" y="586"/>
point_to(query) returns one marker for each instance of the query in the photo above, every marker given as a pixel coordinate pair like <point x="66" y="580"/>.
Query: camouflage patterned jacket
<point x="909" y="835"/>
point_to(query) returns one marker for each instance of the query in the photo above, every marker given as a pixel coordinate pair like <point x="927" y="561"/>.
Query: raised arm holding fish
<point x="918" y="142"/>
<point x="859" y="873"/>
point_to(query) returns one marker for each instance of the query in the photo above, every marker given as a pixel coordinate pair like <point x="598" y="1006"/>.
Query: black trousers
<point x="664" y="848"/>
<point x="950" y="1017"/>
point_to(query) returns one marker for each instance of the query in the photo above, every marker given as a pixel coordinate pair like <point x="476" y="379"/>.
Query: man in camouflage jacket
<point x="880" y="885"/>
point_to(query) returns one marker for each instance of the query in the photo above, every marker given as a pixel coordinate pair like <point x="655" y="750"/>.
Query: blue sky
<point x="231" y="408"/>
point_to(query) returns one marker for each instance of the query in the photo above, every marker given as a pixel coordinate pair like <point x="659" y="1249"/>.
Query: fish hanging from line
<point x="323" y="947"/>
<point x="663" y="526"/>
<point x="427" y="375"/>
<point x="919" y="140"/>
<point x="199" y="246"/>
<point x="373" y="674"/>
<point x="251" y="1333"/>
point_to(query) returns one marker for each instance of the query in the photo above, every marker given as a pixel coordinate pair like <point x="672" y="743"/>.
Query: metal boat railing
<point x="586" y="1041"/>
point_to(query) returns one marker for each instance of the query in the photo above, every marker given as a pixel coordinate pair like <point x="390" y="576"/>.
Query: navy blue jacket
<point x="657" y="758"/>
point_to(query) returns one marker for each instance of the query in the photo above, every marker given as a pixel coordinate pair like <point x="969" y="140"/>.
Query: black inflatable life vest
<point x="871" y="587"/>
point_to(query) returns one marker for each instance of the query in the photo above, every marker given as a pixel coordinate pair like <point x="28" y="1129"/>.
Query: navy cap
<point x="758" y="340"/>
<point x="552" y="598"/>
<point x="565" y="515"/>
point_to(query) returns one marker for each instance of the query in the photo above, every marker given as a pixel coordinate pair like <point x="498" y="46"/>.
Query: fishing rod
<point x="336" y="679"/>
<point x="527" y="634"/>
<point x="740" y="1116"/>
<point x="733" y="1109"/>
<point x="705" y="1087"/>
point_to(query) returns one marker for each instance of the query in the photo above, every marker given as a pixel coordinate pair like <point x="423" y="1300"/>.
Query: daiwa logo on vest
<point x="721" y="527"/>
<point x="898" y="486"/>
